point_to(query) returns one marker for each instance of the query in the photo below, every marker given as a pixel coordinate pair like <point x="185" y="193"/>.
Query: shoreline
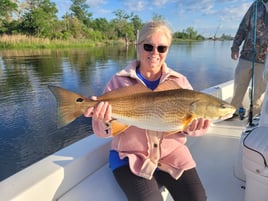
<point x="8" y="42"/>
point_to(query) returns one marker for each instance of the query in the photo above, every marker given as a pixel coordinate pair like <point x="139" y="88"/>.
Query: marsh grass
<point x="23" y="41"/>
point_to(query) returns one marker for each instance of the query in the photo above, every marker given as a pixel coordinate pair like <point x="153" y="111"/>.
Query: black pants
<point x="187" y="188"/>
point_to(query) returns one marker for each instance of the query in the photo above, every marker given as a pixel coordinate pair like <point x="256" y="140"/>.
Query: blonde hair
<point x="151" y="27"/>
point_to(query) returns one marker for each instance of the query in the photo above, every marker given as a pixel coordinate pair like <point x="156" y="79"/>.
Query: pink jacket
<point x="145" y="149"/>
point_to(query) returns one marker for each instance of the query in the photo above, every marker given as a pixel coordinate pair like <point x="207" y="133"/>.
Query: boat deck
<point x="215" y="154"/>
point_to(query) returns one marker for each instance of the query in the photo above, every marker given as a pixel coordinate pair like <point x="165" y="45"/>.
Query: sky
<point x="207" y="17"/>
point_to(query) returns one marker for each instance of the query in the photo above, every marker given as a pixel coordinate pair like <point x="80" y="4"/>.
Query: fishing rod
<point x="250" y="115"/>
<point x="265" y="70"/>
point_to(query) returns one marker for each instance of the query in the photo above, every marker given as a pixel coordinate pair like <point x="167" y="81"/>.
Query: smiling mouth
<point x="153" y="58"/>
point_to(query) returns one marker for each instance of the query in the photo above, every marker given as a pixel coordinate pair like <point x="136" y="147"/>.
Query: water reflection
<point x="204" y="63"/>
<point x="27" y="108"/>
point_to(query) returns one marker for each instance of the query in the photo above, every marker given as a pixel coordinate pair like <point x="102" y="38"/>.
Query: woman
<point x="141" y="159"/>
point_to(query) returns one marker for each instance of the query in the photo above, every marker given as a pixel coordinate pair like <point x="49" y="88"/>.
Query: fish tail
<point x="70" y="105"/>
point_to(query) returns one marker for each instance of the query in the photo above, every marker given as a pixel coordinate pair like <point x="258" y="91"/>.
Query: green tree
<point x="102" y="26"/>
<point x="79" y="10"/>
<point x="200" y="37"/>
<point x="76" y="28"/>
<point x="136" y="23"/>
<point x="7" y="7"/>
<point x="73" y="27"/>
<point x="188" y="34"/>
<point x="180" y="35"/>
<point x="191" y="33"/>
<point x="157" y="17"/>
<point x="124" y="26"/>
<point x="226" y="37"/>
<point x="40" y="19"/>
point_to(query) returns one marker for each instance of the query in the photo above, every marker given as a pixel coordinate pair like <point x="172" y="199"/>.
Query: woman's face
<point x="153" y="51"/>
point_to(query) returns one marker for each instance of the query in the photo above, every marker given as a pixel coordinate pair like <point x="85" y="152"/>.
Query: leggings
<point x="187" y="188"/>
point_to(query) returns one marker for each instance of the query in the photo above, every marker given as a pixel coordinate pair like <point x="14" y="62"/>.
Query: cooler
<point x="255" y="158"/>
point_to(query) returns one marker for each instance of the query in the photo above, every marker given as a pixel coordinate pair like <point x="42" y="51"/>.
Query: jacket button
<point x="155" y="145"/>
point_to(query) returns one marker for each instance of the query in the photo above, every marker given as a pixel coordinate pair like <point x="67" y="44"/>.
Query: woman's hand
<point x="234" y="55"/>
<point x="198" y="127"/>
<point x="102" y="111"/>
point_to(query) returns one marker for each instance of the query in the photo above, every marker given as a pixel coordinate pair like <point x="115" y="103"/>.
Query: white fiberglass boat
<point x="231" y="161"/>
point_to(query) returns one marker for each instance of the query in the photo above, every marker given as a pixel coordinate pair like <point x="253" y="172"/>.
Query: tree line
<point x="39" y="18"/>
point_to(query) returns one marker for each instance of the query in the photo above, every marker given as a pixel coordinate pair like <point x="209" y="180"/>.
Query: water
<point x="28" y="129"/>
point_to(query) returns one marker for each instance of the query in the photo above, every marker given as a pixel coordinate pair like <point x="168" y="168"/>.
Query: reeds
<point x="23" y="41"/>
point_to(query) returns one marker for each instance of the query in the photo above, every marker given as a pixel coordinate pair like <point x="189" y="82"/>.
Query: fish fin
<point x="68" y="105"/>
<point x="167" y="85"/>
<point x="137" y="89"/>
<point x="124" y="91"/>
<point x="117" y="127"/>
<point x="188" y="120"/>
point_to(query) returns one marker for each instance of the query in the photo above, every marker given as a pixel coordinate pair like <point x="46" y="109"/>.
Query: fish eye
<point x="223" y="105"/>
<point x="79" y="100"/>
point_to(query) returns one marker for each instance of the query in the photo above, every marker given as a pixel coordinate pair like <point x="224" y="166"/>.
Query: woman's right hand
<point x="102" y="111"/>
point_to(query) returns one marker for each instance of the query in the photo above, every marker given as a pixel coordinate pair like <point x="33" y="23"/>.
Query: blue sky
<point x="206" y="16"/>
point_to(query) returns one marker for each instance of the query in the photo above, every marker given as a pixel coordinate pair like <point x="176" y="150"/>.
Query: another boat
<point x="228" y="155"/>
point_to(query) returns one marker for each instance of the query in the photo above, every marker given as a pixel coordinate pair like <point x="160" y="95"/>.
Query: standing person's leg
<point x="259" y="88"/>
<point x="137" y="188"/>
<point x="242" y="78"/>
<point x="187" y="188"/>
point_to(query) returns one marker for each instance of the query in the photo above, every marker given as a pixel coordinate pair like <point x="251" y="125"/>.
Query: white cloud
<point x="159" y="3"/>
<point x="202" y="7"/>
<point x="143" y="5"/>
<point x="234" y="13"/>
<point x="96" y="3"/>
<point x="133" y="5"/>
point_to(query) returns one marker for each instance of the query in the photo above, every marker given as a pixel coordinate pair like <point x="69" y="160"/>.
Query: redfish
<point x="164" y="109"/>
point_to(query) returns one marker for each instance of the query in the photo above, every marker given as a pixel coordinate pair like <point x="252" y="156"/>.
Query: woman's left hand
<point x="198" y="127"/>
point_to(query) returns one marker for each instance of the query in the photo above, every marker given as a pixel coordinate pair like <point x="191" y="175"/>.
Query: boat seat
<point x="255" y="158"/>
<point x="104" y="186"/>
<point x="255" y="151"/>
<point x="101" y="183"/>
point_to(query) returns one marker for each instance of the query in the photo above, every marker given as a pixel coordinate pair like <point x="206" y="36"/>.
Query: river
<point x="28" y="130"/>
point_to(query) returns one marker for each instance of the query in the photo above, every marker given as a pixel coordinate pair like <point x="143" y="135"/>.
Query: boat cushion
<point x="255" y="149"/>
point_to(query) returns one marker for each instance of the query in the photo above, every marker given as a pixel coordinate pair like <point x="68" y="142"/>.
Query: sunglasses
<point x="160" y="48"/>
